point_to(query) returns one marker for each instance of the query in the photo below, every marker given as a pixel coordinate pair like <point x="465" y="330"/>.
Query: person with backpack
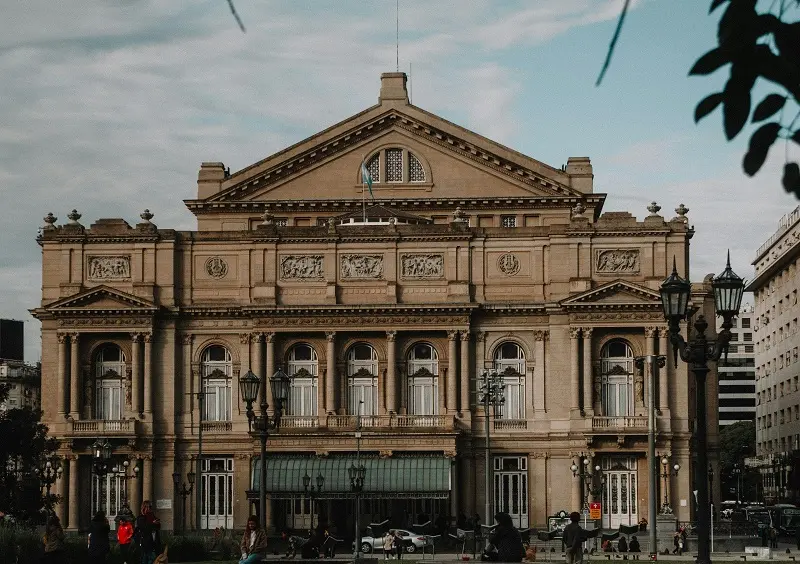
<point x="574" y="535"/>
<point x="125" y="538"/>
<point x="99" y="546"/>
<point x="505" y="542"/>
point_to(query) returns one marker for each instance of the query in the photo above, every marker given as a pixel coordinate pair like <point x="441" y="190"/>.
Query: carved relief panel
<point x="302" y="267"/>
<point x="117" y="267"/>
<point x="361" y="267"/>
<point x="613" y="261"/>
<point x="423" y="266"/>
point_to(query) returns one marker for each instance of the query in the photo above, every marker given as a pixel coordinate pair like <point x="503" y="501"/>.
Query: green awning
<point x="397" y="477"/>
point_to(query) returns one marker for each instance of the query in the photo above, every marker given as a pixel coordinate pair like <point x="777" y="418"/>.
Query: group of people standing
<point x="146" y="534"/>
<point x="393" y="545"/>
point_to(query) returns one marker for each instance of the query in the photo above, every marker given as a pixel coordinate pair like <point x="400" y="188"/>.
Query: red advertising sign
<point x="594" y="510"/>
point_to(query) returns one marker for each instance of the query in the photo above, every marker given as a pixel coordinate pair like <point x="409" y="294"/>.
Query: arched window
<point x="395" y="165"/>
<point x="616" y="373"/>
<point x="109" y="372"/>
<point x="423" y="380"/>
<point x="362" y="380"/>
<point x="509" y="360"/>
<point x="303" y="369"/>
<point x="216" y="369"/>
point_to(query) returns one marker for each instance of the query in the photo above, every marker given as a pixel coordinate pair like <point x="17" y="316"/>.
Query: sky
<point x="110" y="106"/>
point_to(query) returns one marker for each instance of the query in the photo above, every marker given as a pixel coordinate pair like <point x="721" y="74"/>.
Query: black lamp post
<point x="312" y="492"/>
<point x="583" y="469"/>
<point x="357" y="475"/>
<point x="737" y="474"/>
<point x="124" y="471"/>
<point x="101" y="457"/>
<point x="666" y="472"/>
<point x="696" y="352"/>
<point x="262" y="424"/>
<point x="491" y="394"/>
<point x="710" y="485"/>
<point x="48" y="474"/>
<point x="184" y="491"/>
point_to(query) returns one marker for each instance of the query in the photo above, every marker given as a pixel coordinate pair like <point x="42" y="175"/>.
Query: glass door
<point x="216" y="485"/>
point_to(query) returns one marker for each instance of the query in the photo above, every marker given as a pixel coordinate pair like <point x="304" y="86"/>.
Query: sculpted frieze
<point x="107" y="321"/>
<point x="508" y="264"/>
<point x="364" y="320"/>
<point x="422" y="266"/>
<point x="301" y="267"/>
<point x="617" y="260"/>
<point x="216" y="267"/>
<point x="109" y="267"/>
<point x="618" y="316"/>
<point x="361" y="267"/>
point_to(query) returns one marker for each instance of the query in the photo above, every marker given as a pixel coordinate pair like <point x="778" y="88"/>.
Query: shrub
<point x="17" y="542"/>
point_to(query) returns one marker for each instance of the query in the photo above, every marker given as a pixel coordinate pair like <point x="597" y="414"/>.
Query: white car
<point x="412" y="542"/>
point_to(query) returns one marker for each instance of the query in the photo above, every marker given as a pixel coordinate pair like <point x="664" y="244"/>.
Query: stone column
<point x="186" y="399"/>
<point x="330" y="373"/>
<point x="258" y="366"/>
<point x="574" y="343"/>
<point x="62" y="377"/>
<point x="147" y="478"/>
<point x="148" y="375"/>
<point x="663" y="392"/>
<point x="452" y="367"/>
<point x="136" y="489"/>
<point x="538" y="371"/>
<point x="391" y="372"/>
<point x="651" y="334"/>
<point x="464" y="406"/>
<point x="74" y="377"/>
<point x="73" y="499"/>
<point x="588" y="408"/>
<point x="61" y="492"/>
<point x="136" y="376"/>
<point x="455" y="490"/>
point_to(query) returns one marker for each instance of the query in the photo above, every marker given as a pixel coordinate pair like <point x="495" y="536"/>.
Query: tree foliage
<point x="737" y="442"/>
<point x="24" y="448"/>
<point x="757" y="41"/>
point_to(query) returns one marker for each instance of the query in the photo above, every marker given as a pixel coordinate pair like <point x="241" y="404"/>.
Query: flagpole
<point x="363" y="201"/>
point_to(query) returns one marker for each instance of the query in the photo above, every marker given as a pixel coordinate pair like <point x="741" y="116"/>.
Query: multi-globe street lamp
<point x="125" y="472"/>
<point x="583" y="469"/>
<point x="183" y="490"/>
<point x="491" y="394"/>
<point x="48" y="474"/>
<point x="697" y="351"/>
<point x="262" y="424"/>
<point x="313" y="492"/>
<point x="666" y="472"/>
<point x="357" y="475"/>
<point x="737" y="475"/>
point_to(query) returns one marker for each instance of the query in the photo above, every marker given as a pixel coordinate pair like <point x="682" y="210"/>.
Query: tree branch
<point x="236" y="16"/>
<point x="613" y="43"/>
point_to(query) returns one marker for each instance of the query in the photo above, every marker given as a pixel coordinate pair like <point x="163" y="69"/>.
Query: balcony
<point x="102" y="428"/>
<point x="215" y="427"/>
<point x="400" y="422"/>
<point x="621" y="424"/>
<point x="510" y="424"/>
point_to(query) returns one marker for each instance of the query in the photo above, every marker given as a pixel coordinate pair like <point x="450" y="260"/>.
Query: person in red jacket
<point x="125" y="538"/>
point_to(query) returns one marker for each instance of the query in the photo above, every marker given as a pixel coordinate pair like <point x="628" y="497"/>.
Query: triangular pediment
<point x="102" y="298"/>
<point x="618" y="293"/>
<point x="327" y="165"/>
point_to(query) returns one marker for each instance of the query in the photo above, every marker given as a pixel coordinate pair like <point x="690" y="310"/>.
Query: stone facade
<point x="472" y="257"/>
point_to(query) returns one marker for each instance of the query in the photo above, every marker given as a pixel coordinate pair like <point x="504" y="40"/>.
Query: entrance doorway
<point x="108" y="495"/>
<point x="619" y="492"/>
<point x="511" y="488"/>
<point x="216" y="483"/>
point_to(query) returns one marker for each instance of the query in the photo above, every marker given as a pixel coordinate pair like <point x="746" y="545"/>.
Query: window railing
<point x="620" y="422"/>
<point x="510" y="424"/>
<point x="101" y="426"/>
<point x="216" y="426"/>
<point x="395" y="421"/>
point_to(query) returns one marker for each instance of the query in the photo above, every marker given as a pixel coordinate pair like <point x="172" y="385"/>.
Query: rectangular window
<point x="509" y="221"/>
<point x="746" y="323"/>
<point x="394" y="165"/>
<point x="108" y="403"/>
<point x="748" y="337"/>
<point x="281" y="222"/>
<point x="217" y="401"/>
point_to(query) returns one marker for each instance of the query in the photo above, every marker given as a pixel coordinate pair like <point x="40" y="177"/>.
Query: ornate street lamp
<point x="124" y="471"/>
<point x="184" y="491"/>
<point x="313" y="492"/>
<point x="491" y="393"/>
<point x="583" y="469"/>
<point x="737" y="474"/>
<point x="666" y="472"/>
<point x="101" y="456"/>
<point x="357" y="475"/>
<point x="262" y="424"/>
<point x="697" y="352"/>
<point x="48" y="474"/>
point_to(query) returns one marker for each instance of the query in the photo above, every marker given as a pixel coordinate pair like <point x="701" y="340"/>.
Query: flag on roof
<point x="366" y="178"/>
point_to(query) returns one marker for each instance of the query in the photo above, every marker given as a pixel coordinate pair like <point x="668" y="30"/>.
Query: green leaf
<point x="791" y="178"/>
<point x="760" y="142"/>
<point x="716" y="4"/>
<point x="735" y="110"/>
<point x="710" y="62"/>
<point x="768" y="107"/>
<point x="707" y="105"/>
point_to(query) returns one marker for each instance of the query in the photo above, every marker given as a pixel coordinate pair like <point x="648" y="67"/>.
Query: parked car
<point x="412" y="541"/>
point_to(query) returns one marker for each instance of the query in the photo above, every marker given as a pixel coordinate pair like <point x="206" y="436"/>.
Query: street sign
<point x="594" y="510"/>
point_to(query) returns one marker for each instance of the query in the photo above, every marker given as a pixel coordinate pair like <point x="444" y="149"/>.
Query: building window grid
<point x="374" y="168"/>
<point x="416" y="172"/>
<point x="303" y="389"/>
<point x="109" y="371"/>
<point x="216" y="371"/>
<point x="509" y="221"/>
<point x="511" y="355"/>
<point x="394" y="165"/>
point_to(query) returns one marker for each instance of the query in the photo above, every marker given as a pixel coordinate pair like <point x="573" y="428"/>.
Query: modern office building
<point x="775" y="288"/>
<point x="24" y="384"/>
<point x="737" y="373"/>
<point x="385" y="304"/>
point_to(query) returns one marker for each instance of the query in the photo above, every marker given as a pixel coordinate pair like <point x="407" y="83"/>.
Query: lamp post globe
<point x="248" y="386"/>
<point x="728" y="290"/>
<point x="279" y="385"/>
<point x="675" y="296"/>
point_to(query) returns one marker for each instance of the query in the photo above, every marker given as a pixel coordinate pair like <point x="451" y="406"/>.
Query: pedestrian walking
<point x="397" y="545"/>
<point x="54" y="546"/>
<point x="148" y="533"/>
<point x="574" y="535"/>
<point x="388" y="539"/>
<point x="99" y="547"/>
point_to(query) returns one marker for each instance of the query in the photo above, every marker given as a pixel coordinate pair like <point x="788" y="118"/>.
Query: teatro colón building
<point x="386" y="305"/>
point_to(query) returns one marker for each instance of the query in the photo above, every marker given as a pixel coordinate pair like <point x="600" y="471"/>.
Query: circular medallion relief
<point x="216" y="267"/>
<point x="508" y="264"/>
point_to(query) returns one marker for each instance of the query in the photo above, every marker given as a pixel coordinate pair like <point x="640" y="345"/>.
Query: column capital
<point x="663" y="331"/>
<point x="574" y="332"/>
<point x="62" y="338"/>
<point x="480" y="336"/>
<point x="187" y="338"/>
<point x="244" y="338"/>
<point x="466" y="336"/>
<point x="148" y="337"/>
<point x="587" y="332"/>
<point x="269" y="336"/>
<point x="256" y="336"/>
<point x="330" y="336"/>
<point x="75" y="336"/>
<point x="541" y="334"/>
<point x="136" y="337"/>
<point x="651" y="332"/>
<point x="391" y="336"/>
<point x="452" y="335"/>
